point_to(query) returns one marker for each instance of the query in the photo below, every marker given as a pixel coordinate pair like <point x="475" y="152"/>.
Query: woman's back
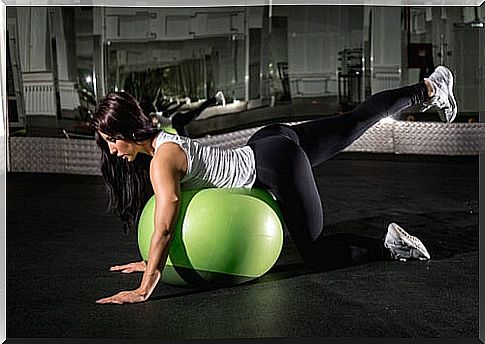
<point x="213" y="166"/>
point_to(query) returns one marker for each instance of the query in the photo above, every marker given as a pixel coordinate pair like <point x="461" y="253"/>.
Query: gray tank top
<point x="213" y="166"/>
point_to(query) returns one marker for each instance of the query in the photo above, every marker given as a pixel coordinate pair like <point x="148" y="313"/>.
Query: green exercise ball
<point x="222" y="236"/>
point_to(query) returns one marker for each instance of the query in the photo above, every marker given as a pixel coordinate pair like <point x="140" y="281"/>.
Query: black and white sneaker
<point x="442" y="82"/>
<point x="404" y="246"/>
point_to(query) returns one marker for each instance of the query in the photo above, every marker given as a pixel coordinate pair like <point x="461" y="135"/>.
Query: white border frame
<point x="162" y="3"/>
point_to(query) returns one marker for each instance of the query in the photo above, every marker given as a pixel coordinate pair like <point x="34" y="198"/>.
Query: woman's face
<point x="122" y="148"/>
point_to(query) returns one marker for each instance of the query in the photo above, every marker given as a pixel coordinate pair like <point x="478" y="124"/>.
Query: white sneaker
<point x="404" y="246"/>
<point x="442" y="82"/>
<point x="220" y="99"/>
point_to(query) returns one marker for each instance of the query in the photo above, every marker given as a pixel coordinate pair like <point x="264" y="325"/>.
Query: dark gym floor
<point x="61" y="242"/>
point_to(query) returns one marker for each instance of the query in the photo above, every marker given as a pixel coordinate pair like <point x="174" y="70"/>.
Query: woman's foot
<point x="440" y="82"/>
<point x="404" y="246"/>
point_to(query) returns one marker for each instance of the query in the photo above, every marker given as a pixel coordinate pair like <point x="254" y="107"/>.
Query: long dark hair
<point x="120" y="116"/>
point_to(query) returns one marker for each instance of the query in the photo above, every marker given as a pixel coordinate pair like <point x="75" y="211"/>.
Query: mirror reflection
<point x="230" y="67"/>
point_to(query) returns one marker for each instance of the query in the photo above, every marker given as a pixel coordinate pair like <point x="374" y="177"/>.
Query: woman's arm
<point x="167" y="167"/>
<point x="166" y="171"/>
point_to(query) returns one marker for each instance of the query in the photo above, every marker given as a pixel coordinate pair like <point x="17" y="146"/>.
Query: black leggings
<point x="285" y="156"/>
<point x="181" y="119"/>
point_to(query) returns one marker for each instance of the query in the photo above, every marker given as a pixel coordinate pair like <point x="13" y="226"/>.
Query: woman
<point x="278" y="157"/>
<point x="168" y="115"/>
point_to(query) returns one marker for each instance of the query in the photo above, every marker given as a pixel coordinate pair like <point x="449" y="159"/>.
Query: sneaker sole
<point x="451" y="96"/>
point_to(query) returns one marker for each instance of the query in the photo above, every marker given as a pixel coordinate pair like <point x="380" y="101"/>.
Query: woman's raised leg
<point x="323" y="138"/>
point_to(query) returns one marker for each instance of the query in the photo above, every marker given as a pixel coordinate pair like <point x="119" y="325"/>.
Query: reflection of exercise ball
<point x="222" y="236"/>
<point x="169" y="129"/>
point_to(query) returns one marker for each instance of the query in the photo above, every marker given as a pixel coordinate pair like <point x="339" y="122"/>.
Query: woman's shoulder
<point x="163" y="137"/>
<point x="169" y="143"/>
<point x="169" y="156"/>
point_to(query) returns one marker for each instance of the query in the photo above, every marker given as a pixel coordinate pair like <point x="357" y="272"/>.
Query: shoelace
<point x="404" y="251"/>
<point x="401" y="251"/>
<point x="437" y="101"/>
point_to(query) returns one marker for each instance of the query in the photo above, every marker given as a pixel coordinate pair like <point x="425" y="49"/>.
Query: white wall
<point x="172" y="23"/>
<point x="315" y="36"/>
<point x="386" y="54"/>
<point x="33" y="42"/>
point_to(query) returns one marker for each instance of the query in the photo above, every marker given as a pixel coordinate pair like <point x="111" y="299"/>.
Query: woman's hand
<point x="130" y="296"/>
<point x="130" y="267"/>
<point x="134" y="296"/>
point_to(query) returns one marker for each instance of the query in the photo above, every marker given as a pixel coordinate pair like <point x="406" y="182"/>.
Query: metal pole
<point x="54" y="66"/>
<point x="246" y="55"/>
<point x="103" y="75"/>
